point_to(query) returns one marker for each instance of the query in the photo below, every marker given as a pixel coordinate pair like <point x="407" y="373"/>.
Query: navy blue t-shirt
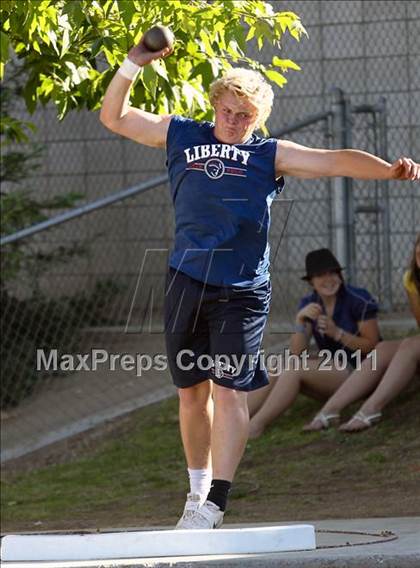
<point x="352" y="306"/>
<point x="222" y="195"/>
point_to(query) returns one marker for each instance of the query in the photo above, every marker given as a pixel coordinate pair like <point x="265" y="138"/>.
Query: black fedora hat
<point x="319" y="261"/>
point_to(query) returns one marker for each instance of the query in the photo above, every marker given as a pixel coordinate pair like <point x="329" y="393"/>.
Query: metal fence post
<point x="341" y="187"/>
<point x="386" y="221"/>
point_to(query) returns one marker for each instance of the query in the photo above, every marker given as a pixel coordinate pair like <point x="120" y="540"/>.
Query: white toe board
<point x="144" y="544"/>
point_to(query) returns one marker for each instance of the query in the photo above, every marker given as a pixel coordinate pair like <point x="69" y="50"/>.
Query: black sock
<point x="219" y="492"/>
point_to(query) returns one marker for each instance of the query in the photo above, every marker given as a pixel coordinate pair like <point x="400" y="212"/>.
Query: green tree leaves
<point x="70" y="49"/>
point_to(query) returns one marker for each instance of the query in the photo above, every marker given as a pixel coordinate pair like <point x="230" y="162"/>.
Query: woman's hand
<point x="326" y="325"/>
<point x="311" y="311"/>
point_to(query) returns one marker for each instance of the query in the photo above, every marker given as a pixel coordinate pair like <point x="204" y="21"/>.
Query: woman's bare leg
<point x="360" y="383"/>
<point x="288" y="385"/>
<point x="397" y="376"/>
<point x="257" y="397"/>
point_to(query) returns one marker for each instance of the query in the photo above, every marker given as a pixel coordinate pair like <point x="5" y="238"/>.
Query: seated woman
<point x="396" y="364"/>
<point x="340" y="317"/>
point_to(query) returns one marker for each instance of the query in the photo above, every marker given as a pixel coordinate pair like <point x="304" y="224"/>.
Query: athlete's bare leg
<point x="229" y="432"/>
<point x="195" y="418"/>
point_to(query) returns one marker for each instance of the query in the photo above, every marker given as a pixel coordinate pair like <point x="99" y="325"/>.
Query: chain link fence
<point x="371" y="50"/>
<point x="98" y="284"/>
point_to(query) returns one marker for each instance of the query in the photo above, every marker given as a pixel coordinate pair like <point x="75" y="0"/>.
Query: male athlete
<point x="223" y="179"/>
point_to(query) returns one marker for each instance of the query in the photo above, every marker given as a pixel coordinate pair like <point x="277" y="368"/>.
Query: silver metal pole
<point x="350" y="219"/>
<point x="384" y="185"/>
<point x="339" y="186"/>
<point x="84" y="209"/>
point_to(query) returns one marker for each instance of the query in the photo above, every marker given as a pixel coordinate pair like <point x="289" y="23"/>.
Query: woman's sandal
<point x="367" y="420"/>
<point x="325" y="421"/>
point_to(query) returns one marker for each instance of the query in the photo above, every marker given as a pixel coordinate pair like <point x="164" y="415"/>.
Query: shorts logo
<point x="224" y="370"/>
<point x="214" y="168"/>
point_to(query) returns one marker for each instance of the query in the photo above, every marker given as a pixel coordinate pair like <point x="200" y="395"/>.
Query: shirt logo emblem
<point x="213" y="165"/>
<point x="214" y="168"/>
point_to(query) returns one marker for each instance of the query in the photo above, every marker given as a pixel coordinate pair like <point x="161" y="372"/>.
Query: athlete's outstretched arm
<point x="300" y="161"/>
<point x="116" y="114"/>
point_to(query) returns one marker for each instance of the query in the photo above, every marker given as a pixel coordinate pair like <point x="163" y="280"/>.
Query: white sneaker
<point x="208" y="516"/>
<point x="193" y="503"/>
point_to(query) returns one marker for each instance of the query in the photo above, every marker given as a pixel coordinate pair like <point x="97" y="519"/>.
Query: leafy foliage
<point x="70" y="49"/>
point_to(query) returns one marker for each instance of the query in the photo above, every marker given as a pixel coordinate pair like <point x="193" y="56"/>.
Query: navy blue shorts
<point x="215" y="332"/>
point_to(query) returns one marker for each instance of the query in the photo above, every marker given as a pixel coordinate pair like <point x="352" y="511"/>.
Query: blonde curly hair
<point x="245" y="83"/>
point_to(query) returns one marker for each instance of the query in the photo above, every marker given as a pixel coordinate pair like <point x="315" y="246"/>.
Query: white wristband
<point x="129" y="69"/>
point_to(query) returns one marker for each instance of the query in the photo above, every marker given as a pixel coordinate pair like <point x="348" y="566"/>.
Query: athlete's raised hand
<point x="140" y="55"/>
<point x="405" y="169"/>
